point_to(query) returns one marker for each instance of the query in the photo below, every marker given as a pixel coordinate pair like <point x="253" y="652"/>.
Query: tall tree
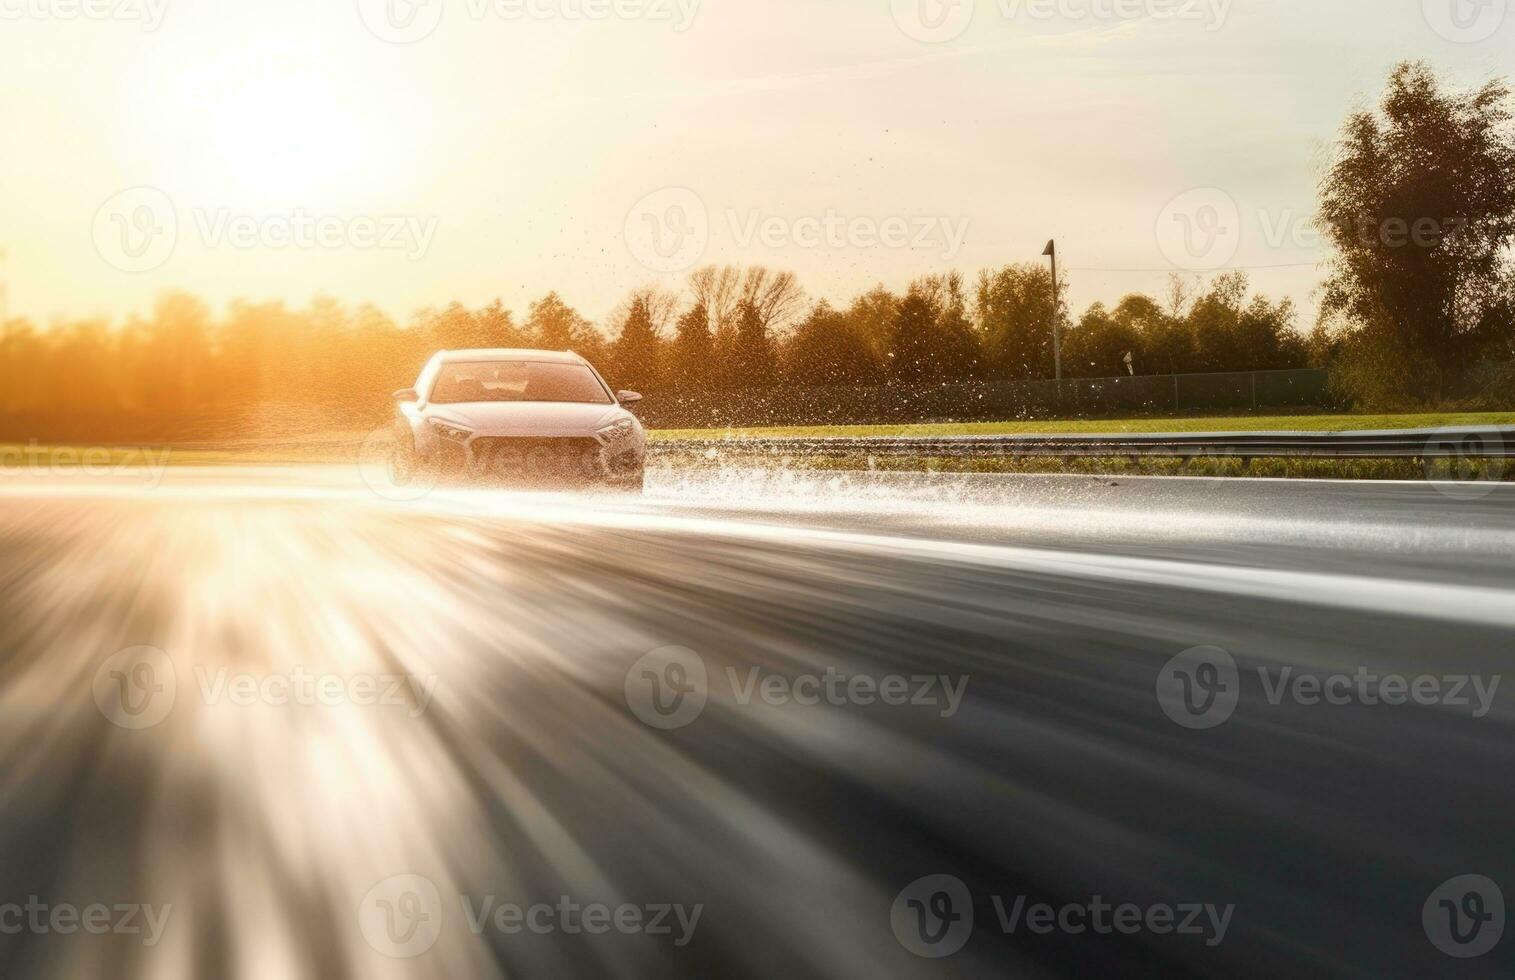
<point x="1096" y="347"/>
<point x="23" y="380"/>
<point x="497" y="327"/>
<point x="454" y="328"/>
<point x="637" y="350"/>
<point x="753" y="354"/>
<point x="691" y="360"/>
<point x="1015" y="309"/>
<point x="826" y="349"/>
<point x="1419" y="208"/>
<point x="1165" y="345"/>
<point x="554" y="325"/>
<point x="913" y="339"/>
<point x="958" y="353"/>
<point x="776" y="297"/>
<point x="1213" y="322"/>
<point x="719" y="290"/>
<point x="872" y="319"/>
<point x="179" y="342"/>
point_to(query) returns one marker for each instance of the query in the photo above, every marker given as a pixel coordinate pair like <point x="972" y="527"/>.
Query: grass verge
<point x="1471" y="471"/>
<point x="341" y="448"/>
<point x="1243" y="423"/>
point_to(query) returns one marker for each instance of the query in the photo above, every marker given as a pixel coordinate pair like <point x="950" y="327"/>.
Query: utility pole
<point x="1057" y="312"/>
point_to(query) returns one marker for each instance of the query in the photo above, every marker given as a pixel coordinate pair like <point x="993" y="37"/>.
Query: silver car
<point x="521" y="416"/>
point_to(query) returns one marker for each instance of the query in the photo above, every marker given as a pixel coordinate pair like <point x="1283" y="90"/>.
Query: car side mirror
<point x="407" y="395"/>
<point x="627" y="397"/>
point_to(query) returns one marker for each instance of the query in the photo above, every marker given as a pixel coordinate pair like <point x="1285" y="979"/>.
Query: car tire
<point x="404" y="461"/>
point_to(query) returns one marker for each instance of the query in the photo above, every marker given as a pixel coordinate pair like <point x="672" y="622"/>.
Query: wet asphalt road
<point x="270" y="723"/>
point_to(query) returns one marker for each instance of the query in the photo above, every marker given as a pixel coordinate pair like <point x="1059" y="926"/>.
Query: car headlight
<point x="617" y="430"/>
<point x="449" y="431"/>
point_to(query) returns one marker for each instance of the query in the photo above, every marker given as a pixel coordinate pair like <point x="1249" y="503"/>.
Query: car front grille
<point x="537" y="458"/>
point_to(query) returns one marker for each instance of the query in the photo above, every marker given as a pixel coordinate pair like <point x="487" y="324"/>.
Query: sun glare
<point x="286" y="133"/>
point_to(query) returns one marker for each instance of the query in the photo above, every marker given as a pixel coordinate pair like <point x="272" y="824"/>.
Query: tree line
<point x="1404" y="317"/>
<point x="731" y="328"/>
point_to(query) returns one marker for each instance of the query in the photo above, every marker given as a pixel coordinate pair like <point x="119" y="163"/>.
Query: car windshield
<point x="518" y="381"/>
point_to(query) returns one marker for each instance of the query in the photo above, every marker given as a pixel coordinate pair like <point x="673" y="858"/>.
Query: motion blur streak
<point x="522" y="775"/>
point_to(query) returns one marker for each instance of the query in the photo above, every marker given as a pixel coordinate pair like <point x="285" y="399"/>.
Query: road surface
<point x="269" y="722"/>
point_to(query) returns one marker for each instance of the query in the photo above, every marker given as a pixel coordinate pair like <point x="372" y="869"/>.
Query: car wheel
<point x="404" y="463"/>
<point x="626" y="483"/>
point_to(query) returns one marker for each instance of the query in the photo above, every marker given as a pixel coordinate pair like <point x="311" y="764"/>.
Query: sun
<point x="282" y="132"/>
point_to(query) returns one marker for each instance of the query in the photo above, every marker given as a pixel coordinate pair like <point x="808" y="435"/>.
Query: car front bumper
<point x="554" y="459"/>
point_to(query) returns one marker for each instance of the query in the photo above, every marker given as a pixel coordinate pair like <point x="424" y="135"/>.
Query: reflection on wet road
<point x="291" y="728"/>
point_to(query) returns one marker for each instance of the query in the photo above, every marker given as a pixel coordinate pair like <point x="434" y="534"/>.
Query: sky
<point x="409" y="153"/>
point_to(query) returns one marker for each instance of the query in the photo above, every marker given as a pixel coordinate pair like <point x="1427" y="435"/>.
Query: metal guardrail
<point x="1496" y="442"/>
<point x="983" y="400"/>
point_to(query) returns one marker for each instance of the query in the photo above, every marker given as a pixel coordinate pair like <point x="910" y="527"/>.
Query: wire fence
<point x="1244" y="391"/>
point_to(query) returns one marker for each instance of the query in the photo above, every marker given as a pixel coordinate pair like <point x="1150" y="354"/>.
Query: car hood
<point x="528" y="418"/>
